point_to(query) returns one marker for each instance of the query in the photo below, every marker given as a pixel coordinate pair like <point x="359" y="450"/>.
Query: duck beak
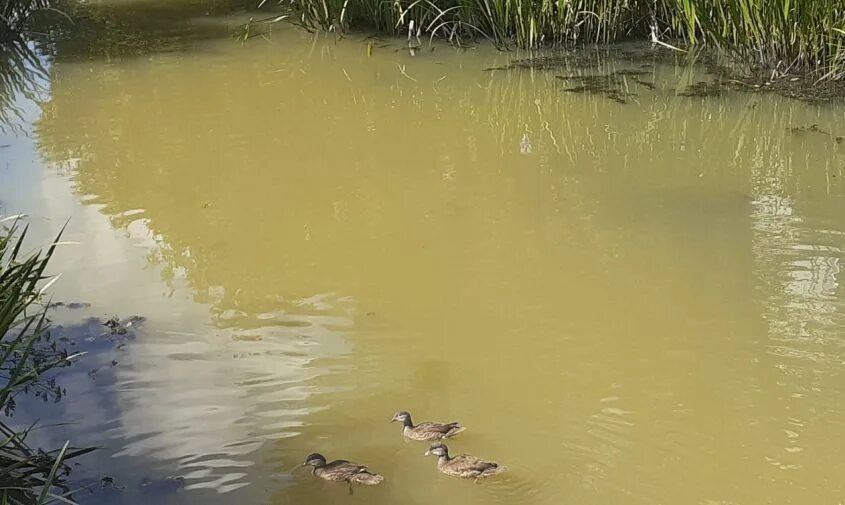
<point x="427" y="453"/>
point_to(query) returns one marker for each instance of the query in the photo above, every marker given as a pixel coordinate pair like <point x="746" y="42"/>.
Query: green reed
<point x="775" y="35"/>
<point x="27" y="356"/>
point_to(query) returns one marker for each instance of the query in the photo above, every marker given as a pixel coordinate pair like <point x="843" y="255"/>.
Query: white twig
<point x="402" y="71"/>
<point x="12" y="218"/>
<point x="49" y="283"/>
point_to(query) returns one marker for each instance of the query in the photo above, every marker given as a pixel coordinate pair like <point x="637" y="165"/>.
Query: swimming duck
<point x="464" y="466"/>
<point x="428" y="430"/>
<point x="341" y="470"/>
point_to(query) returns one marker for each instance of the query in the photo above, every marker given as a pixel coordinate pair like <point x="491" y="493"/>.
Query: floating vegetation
<point x="795" y="87"/>
<point x="804" y="89"/>
<point x="70" y="305"/>
<point x="645" y="84"/>
<point x="647" y="55"/>
<point x="639" y="56"/>
<point x="814" y="128"/>
<point x="612" y="94"/>
<point x="723" y="75"/>
<point x="553" y="62"/>
<point x="704" y="89"/>
<point x="595" y="87"/>
<point x="119" y="326"/>
<point x="629" y="72"/>
<point x="613" y="85"/>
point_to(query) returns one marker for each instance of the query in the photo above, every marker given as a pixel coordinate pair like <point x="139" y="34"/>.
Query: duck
<point x="426" y="431"/>
<point x="464" y="465"/>
<point x="341" y="470"/>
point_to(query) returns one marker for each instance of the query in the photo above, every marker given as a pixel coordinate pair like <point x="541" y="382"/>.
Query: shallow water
<point x="631" y="303"/>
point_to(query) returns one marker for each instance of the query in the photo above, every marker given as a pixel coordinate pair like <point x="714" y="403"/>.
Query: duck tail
<point x="494" y="470"/>
<point x="367" y="478"/>
<point x="455" y="430"/>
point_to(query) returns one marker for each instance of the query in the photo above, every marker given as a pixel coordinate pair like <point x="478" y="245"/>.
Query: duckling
<point x="464" y="466"/>
<point x="428" y="430"/>
<point x="341" y="470"/>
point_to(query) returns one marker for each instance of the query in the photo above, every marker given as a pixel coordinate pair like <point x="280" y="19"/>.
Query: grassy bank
<point x="775" y="36"/>
<point x="28" y="357"/>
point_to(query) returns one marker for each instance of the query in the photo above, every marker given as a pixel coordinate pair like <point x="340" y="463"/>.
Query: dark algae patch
<point x="704" y="89"/>
<point x="798" y="88"/>
<point x="552" y="62"/>
<point x="613" y="85"/>
<point x="718" y="79"/>
<point x="815" y="129"/>
<point x="805" y="89"/>
<point x="645" y="84"/>
<point x="641" y="57"/>
<point x="629" y="72"/>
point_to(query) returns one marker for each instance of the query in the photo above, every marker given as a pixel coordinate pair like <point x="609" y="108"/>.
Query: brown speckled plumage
<point x="464" y="465"/>
<point x="341" y="470"/>
<point x="426" y="431"/>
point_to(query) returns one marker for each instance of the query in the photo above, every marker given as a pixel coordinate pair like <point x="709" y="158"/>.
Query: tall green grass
<point x="28" y="476"/>
<point x="774" y="35"/>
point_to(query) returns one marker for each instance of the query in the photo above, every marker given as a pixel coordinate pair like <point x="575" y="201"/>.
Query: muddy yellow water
<point x="625" y="303"/>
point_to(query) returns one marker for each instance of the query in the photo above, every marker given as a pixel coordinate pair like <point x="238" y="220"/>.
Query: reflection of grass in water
<point x="27" y="356"/>
<point x="20" y="74"/>
<point x="514" y="99"/>
<point x="568" y="133"/>
<point x="15" y="14"/>
<point x="725" y="74"/>
<point x="115" y="30"/>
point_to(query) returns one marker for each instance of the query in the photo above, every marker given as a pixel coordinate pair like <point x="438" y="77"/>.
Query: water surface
<point x="626" y="303"/>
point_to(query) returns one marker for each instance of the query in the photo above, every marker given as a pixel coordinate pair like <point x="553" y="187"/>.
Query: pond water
<point x="628" y="295"/>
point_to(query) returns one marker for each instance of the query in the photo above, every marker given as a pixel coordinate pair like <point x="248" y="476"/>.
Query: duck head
<point x="315" y="460"/>
<point x="402" y="416"/>
<point x="439" y="450"/>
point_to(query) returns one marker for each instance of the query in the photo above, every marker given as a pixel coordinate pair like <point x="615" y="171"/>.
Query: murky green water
<point x="633" y="303"/>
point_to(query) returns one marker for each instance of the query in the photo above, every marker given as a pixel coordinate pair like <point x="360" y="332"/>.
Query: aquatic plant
<point x="27" y="356"/>
<point x="779" y="36"/>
